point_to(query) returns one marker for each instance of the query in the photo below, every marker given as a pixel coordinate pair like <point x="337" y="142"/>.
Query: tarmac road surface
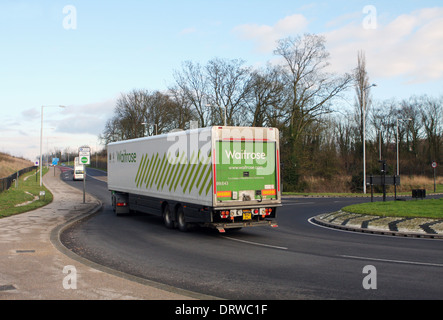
<point x="298" y="260"/>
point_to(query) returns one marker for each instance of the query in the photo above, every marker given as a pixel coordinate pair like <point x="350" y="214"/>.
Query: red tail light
<point x="224" y="214"/>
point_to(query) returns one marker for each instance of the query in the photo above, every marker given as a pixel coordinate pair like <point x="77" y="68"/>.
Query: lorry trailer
<point x="218" y="177"/>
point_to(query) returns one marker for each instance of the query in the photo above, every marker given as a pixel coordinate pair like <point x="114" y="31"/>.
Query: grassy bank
<point x="431" y="208"/>
<point x="23" y="198"/>
<point x="10" y="164"/>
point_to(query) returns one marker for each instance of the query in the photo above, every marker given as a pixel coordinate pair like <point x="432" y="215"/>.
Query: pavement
<point x="34" y="264"/>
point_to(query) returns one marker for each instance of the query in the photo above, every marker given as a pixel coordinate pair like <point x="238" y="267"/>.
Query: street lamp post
<point x="41" y="141"/>
<point x="364" y="135"/>
<point x="396" y="138"/>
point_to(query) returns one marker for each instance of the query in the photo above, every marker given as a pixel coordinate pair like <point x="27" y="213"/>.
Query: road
<point x="297" y="260"/>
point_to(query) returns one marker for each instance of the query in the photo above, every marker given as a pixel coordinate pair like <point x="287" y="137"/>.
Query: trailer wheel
<point x="167" y="217"/>
<point x="182" y="224"/>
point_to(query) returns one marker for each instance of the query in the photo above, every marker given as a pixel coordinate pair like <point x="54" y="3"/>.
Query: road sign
<point x="378" y="180"/>
<point x="55" y="161"/>
<point x="84" y="149"/>
<point x="434" y="164"/>
<point x="84" y="155"/>
<point x="85" y="159"/>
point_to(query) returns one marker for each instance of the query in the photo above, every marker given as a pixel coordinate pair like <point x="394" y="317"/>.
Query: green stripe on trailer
<point x="158" y="172"/>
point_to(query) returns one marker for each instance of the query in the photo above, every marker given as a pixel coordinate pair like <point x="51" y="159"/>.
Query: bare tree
<point x="111" y="132"/>
<point x="164" y="113"/>
<point x="228" y="86"/>
<point x="191" y="89"/>
<point x="311" y="87"/>
<point x="141" y="113"/>
<point x="410" y="109"/>
<point x="131" y="112"/>
<point x="183" y="112"/>
<point x="265" y="96"/>
<point x="345" y="141"/>
<point x="432" y="119"/>
<point x="310" y="90"/>
<point x="210" y="91"/>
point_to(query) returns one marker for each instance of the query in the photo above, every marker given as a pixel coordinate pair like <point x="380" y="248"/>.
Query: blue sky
<point x="121" y="45"/>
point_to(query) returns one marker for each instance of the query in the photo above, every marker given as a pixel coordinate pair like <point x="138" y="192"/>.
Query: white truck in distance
<point x="79" y="170"/>
<point x="219" y="177"/>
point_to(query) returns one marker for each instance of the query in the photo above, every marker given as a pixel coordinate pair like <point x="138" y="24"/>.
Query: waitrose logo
<point x="123" y="156"/>
<point x="245" y="155"/>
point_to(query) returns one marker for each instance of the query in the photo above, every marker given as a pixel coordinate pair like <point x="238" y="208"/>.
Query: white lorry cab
<point x="219" y="177"/>
<point x="79" y="170"/>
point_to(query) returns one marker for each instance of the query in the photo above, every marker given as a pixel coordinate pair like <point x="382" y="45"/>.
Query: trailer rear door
<point x="246" y="170"/>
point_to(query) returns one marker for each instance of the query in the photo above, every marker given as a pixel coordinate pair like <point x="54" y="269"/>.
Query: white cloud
<point x="86" y="119"/>
<point x="410" y="46"/>
<point x="265" y="36"/>
<point x="188" y="31"/>
<point x="70" y="127"/>
<point x="31" y="114"/>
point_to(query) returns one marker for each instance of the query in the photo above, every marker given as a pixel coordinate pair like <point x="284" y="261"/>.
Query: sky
<point x="85" y="54"/>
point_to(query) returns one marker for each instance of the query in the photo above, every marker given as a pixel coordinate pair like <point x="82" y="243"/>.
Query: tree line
<point x="320" y="135"/>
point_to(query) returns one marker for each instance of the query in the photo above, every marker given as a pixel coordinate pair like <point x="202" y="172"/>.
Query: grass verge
<point x="429" y="191"/>
<point x="14" y="200"/>
<point x="342" y="185"/>
<point x="430" y="208"/>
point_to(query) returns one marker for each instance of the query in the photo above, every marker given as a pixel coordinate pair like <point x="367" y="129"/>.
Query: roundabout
<point x="406" y="227"/>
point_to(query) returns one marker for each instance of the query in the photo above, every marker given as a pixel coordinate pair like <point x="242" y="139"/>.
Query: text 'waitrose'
<point x="126" y="157"/>
<point x="245" y="155"/>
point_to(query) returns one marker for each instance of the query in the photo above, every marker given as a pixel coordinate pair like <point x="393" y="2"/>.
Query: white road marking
<point x="394" y="261"/>
<point x="296" y="203"/>
<point x="256" y="243"/>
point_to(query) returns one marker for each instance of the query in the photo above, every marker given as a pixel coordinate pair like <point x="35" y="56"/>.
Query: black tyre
<point x="182" y="224"/>
<point x="167" y="217"/>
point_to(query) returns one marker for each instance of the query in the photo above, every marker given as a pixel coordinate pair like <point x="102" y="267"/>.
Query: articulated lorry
<point x="219" y="177"/>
